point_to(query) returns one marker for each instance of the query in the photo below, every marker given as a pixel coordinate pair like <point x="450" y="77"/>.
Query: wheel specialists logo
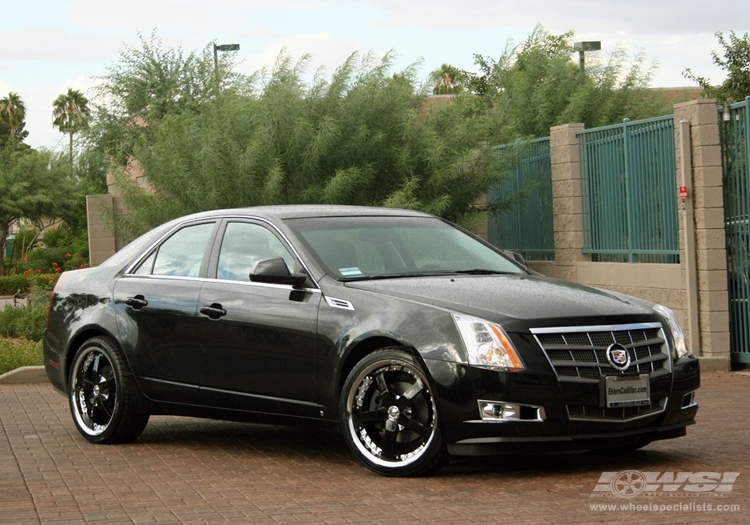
<point x="632" y="483"/>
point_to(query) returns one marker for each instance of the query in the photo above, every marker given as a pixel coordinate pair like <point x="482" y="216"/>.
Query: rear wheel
<point x="389" y="417"/>
<point x="100" y="394"/>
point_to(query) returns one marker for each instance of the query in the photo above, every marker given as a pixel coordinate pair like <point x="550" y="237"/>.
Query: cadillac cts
<point x="421" y="340"/>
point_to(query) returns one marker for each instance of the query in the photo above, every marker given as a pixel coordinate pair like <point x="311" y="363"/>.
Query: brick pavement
<point x="185" y="470"/>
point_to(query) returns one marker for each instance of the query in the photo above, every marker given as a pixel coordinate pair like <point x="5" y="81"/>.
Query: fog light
<point x="689" y="400"/>
<point x="492" y="410"/>
<point x="502" y="411"/>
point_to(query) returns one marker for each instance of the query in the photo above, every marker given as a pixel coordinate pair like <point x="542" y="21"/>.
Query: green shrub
<point x="43" y="282"/>
<point x="25" y="322"/>
<point x="10" y="284"/>
<point x="27" y="282"/>
<point x="15" y="353"/>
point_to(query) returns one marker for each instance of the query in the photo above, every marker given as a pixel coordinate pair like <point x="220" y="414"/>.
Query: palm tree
<point x="447" y="80"/>
<point x="12" y="116"/>
<point x="71" y="113"/>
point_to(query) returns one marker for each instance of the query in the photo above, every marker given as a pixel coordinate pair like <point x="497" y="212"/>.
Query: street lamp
<point x="582" y="47"/>
<point x="223" y="47"/>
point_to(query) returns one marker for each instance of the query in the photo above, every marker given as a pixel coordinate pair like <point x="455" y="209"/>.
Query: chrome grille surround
<point x="577" y="354"/>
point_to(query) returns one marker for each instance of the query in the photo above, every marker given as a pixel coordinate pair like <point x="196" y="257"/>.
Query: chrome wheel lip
<point x="359" y="436"/>
<point x="81" y="400"/>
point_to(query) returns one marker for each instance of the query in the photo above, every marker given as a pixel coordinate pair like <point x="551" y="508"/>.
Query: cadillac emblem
<point x="618" y="357"/>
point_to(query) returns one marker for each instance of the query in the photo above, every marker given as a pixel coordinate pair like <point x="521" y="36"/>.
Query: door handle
<point x="214" y="311"/>
<point x="136" y="302"/>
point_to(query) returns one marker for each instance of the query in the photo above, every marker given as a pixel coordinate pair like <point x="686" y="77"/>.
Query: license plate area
<point x="627" y="391"/>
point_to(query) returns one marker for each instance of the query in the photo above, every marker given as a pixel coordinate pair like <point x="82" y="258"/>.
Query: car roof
<point x="275" y="213"/>
<point x="307" y="211"/>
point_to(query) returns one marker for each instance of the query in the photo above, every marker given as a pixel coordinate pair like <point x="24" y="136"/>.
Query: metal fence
<point x="735" y="143"/>
<point x="527" y="227"/>
<point x="629" y="191"/>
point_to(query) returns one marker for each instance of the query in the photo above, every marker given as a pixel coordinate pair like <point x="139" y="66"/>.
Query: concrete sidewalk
<point x="10" y="300"/>
<point x="24" y="374"/>
<point x="185" y="470"/>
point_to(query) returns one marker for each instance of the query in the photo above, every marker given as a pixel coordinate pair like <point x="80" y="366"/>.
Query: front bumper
<point x="556" y="415"/>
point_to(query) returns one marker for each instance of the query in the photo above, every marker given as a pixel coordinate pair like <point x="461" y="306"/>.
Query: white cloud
<point x="45" y="42"/>
<point x="324" y="50"/>
<point x="634" y="16"/>
<point x="53" y="43"/>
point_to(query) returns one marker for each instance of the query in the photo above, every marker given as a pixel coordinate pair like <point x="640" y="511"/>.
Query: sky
<point x="48" y="46"/>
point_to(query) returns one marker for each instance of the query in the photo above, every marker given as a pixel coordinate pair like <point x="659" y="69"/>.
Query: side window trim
<point x="214" y="259"/>
<point x="154" y="249"/>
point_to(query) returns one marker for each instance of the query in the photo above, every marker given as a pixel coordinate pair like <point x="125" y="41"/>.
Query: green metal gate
<point x="527" y="227"/>
<point x="628" y="191"/>
<point x="735" y="144"/>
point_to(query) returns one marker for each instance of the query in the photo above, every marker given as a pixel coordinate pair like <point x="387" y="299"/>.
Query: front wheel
<point x="389" y="417"/>
<point x="100" y="394"/>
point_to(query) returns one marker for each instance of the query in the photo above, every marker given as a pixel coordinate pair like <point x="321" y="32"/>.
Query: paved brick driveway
<point x="195" y="471"/>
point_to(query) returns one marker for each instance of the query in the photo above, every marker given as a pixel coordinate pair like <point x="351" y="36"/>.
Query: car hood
<point x="503" y="298"/>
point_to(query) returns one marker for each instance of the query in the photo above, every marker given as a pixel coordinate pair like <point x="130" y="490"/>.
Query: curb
<point x="24" y="374"/>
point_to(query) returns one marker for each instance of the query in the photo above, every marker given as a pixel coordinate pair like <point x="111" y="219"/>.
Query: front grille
<point x="596" y="413"/>
<point x="578" y="354"/>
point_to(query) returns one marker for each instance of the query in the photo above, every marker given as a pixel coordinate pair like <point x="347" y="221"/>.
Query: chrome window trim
<point x="166" y="277"/>
<point x="228" y="281"/>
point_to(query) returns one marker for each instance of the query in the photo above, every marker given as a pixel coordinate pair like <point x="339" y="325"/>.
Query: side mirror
<point x="275" y="271"/>
<point x="516" y="257"/>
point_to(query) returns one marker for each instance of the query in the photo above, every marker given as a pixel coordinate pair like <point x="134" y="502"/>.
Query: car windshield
<point x="361" y="248"/>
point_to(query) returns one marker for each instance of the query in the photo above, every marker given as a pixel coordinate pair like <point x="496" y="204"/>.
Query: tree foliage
<point x="12" y="122"/>
<point x="146" y="85"/>
<point x="71" y="113"/>
<point x="448" y="80"/>
<point x="537" y="84"/>
<point x="361" y="136"/>
<point x="736" y="63"/>
<point x="34" y="186"/>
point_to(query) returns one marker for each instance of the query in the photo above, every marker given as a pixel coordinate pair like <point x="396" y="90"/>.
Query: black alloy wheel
<point x="389" y="416"/>
<point x="100" y="394"/>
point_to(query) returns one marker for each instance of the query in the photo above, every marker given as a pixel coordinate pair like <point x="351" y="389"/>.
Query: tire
<point x="389" y="417"/>
<point x="100" y="394"/>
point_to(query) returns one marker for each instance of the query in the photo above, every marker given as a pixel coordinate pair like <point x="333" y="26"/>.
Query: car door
<point x="156" y="304"/>
<point x="259" y="344"/>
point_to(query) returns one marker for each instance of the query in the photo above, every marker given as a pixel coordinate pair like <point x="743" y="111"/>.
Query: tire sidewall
<point x="432" y="458"/>
<point x="105" y="347"/>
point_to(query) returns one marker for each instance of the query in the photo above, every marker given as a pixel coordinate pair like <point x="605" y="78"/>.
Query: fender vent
<point x="339" y="303"/>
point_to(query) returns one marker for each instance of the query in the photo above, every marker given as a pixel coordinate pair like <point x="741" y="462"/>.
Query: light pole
<point x="582" y="47"/>
<point x="223" y="47"/>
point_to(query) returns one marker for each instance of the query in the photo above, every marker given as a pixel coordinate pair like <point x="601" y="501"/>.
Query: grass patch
<point x="15" y="353"/>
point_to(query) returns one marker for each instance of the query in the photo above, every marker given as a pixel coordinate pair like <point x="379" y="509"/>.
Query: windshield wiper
<point x="484" y="271"/>
<point x="387" y="276"/>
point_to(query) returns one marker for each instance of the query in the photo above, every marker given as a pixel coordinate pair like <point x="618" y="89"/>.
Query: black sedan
<point x="420" y="339"/>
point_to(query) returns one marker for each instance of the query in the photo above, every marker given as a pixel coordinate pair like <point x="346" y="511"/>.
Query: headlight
<point x="487" y="344"/>
<point x="677" y="333"/>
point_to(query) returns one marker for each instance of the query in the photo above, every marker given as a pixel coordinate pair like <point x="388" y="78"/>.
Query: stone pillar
<point x="708" y="208"/>
<point x="102" y="242"/>
<point x="566" y="201"/>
